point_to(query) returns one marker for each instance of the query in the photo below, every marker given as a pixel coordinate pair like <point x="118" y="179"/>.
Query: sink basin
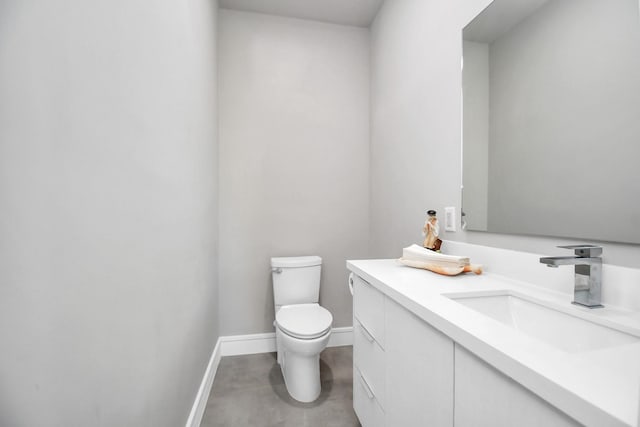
<point x="539" y="320"/>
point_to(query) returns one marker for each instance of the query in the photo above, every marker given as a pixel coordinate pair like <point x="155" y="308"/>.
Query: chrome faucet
<point x="588" y="277"/>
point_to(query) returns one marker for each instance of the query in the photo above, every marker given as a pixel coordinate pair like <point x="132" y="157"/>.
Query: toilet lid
<point x="304" y="320"/>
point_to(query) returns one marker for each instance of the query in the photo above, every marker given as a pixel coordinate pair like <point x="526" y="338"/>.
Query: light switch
<point x="450" y="218"/>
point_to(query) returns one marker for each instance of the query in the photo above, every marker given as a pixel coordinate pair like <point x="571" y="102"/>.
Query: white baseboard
<point x="237" y="345"/>
<point x="341" y="336"/>
<point x="199" y="405"/>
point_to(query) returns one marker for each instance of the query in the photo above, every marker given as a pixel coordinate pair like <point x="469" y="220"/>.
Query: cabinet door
<point x="365" y="403"/>
<point x="368" y="357"/>
<point x="368" y="308"/>
<point x="419" y="374"/>
<point x="485" y="397"/>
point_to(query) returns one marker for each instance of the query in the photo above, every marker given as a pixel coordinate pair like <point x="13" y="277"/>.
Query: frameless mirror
<point x="551" y="119"/>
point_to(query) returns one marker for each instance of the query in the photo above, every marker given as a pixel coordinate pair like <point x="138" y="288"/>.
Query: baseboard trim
<point x="341" y="336"/>
<point x="237" y="345"/>
<point x="200" y="404"/>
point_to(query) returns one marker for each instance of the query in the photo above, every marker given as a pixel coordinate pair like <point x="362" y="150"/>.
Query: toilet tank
<point x="296" y="280"/>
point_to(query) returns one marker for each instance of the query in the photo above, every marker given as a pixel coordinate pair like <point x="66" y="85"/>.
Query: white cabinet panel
<point x="419" y="374"/>
<point x="487" y="398"/>
<point x="369" y="357"/>
<point x="368" y="354"/>
<point x="368" y="308"/>
<point x="365" y="403"/>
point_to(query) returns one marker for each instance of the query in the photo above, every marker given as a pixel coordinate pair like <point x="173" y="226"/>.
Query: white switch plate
<point x="450" y="218"/>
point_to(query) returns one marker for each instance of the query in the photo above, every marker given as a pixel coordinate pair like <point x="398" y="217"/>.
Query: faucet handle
<point x="585" y="251"/>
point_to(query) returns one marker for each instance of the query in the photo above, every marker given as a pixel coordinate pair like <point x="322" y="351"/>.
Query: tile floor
<point x="249" y="391"/>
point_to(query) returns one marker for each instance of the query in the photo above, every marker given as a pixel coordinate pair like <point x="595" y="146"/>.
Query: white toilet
<point x="302" y="326"/>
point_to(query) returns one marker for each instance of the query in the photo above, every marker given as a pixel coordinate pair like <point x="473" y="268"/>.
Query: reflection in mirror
<point x="551" y="134"/>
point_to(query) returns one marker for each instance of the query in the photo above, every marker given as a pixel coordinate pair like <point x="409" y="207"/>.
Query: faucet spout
<point x="555" y="261"/>
<point x="588" y="273"/>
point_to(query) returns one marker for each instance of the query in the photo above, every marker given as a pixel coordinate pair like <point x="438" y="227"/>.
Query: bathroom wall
<point x="294" y="159"/>
<point x="416" y="111"/>
<point x="108" y="205"/>
<point x="415" y="139"/>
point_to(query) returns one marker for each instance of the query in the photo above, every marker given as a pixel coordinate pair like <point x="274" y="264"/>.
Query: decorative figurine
<point x="431" y="231"/>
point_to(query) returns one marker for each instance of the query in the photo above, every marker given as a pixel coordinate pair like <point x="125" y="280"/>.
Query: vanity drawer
<point x="365" y="402"/>
<point x="369" y="359"/>
<point x="368" y="308"/>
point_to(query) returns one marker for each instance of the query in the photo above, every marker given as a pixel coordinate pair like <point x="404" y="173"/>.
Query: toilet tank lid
<point x="296" y="261"/>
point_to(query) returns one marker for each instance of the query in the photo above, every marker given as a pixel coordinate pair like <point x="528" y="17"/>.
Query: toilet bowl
<point x="302" y="332"/>
<point x="302" y="326"/>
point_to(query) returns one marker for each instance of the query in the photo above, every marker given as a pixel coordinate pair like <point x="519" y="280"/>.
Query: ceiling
<point x="358" y="13"/>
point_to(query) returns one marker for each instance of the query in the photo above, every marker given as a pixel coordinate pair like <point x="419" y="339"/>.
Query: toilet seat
<point x="304" y="321"/>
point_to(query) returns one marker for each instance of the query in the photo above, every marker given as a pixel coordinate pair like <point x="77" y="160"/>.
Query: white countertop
<point x="592" y="388"/>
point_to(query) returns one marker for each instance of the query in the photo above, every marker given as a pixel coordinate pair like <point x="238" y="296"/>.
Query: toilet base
<point x="302" y="377"/>
<point x="300" y="364"/>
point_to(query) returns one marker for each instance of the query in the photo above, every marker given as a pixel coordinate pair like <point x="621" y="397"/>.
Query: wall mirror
<point x="551" y="119"/>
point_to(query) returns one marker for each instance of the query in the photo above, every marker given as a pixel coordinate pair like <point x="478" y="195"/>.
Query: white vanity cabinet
<point x="419" y="371"/>
<point x="368" y="353"/>
<point x="432" y="350"/>
<point x="403" y="368"/>
<point x="487" y="398"/>
<point x="407" y="373"/>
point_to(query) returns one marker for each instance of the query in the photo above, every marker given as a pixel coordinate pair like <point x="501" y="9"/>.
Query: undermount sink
<point x="541" y="321"/>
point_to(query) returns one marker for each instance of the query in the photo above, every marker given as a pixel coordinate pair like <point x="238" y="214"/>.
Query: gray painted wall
<point x="294" y="159"/>
<point x="108" y="295"/>
<point x="415" y="140"/>
<point x="416" y="128"/>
